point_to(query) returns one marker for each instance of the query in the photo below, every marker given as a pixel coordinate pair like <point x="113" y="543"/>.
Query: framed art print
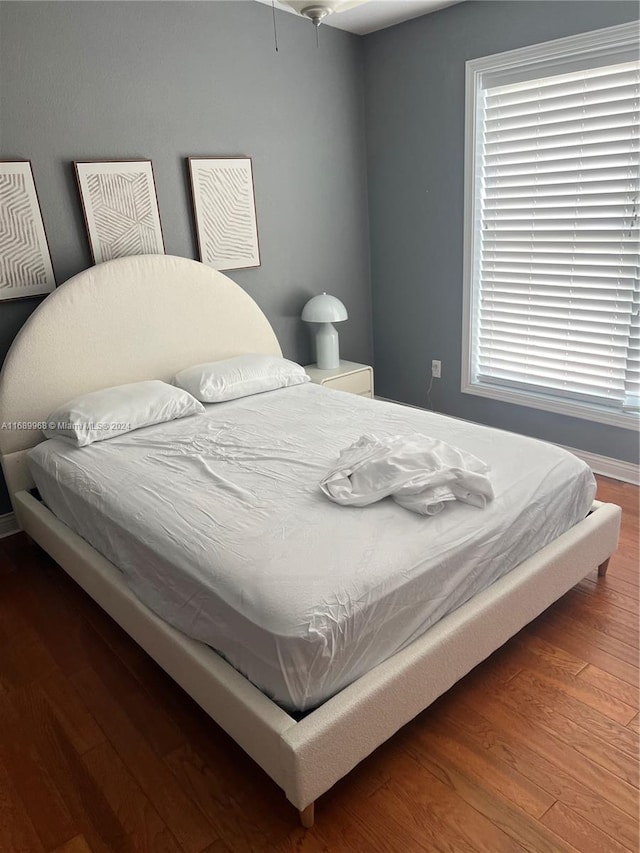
<point x="225" y="211"/>
<point x="120" y="208"/>
<point x="25" y="261"/>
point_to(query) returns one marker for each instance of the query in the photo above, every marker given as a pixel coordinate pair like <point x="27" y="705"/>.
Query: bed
<point x="148" y="317"/>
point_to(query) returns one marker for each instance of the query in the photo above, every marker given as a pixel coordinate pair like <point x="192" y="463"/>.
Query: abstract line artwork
<point x="225" y="212"/>
<point x="120" y="208"/>
<point x="25" y="262"/>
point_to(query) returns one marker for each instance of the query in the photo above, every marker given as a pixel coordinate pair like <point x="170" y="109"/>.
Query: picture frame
<point x="25" y="259"/>
<point x="120" y="208"/>
<point x="224" y="206"/>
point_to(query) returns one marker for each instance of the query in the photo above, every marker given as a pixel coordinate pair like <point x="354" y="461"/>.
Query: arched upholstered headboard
<point x="143" y="317"/>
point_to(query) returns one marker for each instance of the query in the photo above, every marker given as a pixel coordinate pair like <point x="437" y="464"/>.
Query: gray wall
<point x="165" y="80"/>
<point x="414" y="95"/>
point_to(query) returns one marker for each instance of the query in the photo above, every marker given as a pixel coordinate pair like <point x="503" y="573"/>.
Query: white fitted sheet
<point x="218" y="523"/>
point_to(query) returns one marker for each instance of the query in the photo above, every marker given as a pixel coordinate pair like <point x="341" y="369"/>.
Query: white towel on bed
<point x="422" y="474"/>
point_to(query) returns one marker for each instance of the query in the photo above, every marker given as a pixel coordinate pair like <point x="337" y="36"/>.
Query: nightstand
<point x="356" y="378"/>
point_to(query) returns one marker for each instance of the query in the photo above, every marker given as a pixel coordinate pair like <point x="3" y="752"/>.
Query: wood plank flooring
<point x="536" y="750"/>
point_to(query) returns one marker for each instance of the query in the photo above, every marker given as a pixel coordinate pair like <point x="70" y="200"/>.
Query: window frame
<point x="546" y="58"/>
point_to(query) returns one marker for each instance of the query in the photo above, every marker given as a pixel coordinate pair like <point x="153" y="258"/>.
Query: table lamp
<point x="325" y="310"/>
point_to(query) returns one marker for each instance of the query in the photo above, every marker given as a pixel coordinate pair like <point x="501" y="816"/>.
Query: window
<point x="551" y="241"/>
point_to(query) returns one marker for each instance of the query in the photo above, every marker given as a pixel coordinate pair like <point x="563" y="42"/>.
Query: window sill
<point x="531" y="400"/>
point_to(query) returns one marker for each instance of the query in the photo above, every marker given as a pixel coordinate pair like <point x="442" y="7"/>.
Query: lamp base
<point x="327" y="347"/>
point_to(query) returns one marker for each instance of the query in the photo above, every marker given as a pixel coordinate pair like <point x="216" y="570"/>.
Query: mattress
<point x="219" y="526"/>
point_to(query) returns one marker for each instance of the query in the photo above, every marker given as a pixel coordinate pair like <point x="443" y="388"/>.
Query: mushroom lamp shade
<point x="325" y="310"/>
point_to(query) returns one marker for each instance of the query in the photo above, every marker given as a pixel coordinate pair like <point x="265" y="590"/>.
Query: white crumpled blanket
<point x="420" y="473"/>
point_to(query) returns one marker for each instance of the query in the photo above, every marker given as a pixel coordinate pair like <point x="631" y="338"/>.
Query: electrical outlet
<point x="436" y="369"/>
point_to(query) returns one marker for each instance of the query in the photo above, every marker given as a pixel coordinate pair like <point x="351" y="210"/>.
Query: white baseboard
<point x="8" y="525"/>
<point x="608" y="467"/>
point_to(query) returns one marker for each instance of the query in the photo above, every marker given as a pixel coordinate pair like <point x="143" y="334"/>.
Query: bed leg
<point x="602" y="568"/>
<point x="307" y="816"/>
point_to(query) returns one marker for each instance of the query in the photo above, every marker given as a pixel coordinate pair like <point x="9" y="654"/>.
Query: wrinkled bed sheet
<point x="219" y="526"/>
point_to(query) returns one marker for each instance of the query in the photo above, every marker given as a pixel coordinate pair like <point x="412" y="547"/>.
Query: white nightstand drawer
<point x="356" y="383"/>
<point x="348" y="376"/>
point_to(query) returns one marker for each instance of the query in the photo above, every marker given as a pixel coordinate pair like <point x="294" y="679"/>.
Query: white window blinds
<point x="556" y="252"/>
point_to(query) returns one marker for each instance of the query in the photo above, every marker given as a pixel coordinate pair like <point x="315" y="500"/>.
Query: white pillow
<point x="241" y="376"/>
<point x="114" y="411"/>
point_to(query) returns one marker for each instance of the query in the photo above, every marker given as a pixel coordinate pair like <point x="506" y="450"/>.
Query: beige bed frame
<point x="147" y="317"/>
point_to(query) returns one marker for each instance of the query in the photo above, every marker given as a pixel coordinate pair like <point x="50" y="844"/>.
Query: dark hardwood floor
<point x="537" y="749"/>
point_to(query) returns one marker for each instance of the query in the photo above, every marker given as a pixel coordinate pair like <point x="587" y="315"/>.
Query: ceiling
<point x="377" y="14"/>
